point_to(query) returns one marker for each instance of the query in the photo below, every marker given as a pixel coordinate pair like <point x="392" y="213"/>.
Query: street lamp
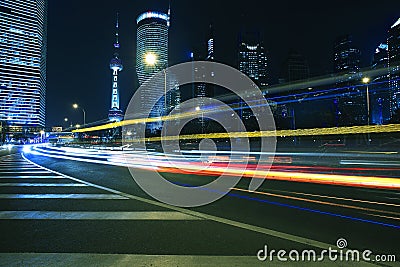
<point x="151" y="60"/>
<point x="76" y="106"/>
<point x="366" y="81"/>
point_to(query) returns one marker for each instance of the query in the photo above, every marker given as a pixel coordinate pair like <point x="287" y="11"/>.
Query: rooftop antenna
<point x="116" y="44"/>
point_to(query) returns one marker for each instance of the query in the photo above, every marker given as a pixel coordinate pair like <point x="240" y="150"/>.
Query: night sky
<point x="81" y="36"/>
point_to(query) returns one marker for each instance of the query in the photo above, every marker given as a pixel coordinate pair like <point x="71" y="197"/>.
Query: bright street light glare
<point x="75" y="106"/>
<point x="366" y="80"/>
<point x="150" y="59"/>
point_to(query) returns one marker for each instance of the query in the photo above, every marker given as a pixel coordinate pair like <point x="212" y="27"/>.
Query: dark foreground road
<point x="78" y="213"/>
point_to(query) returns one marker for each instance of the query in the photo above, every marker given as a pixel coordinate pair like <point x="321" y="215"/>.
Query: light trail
<point x="259" y="199"/>
<point x="318" y="202"/>
<point x="330" y="179"/>
<point x="161" y="163"/>
<point x="364" y="129"/>
<point x="317" y="211"/>
<point x="370" y="163"/>
<point x="314" y="211"/>
<point x="382" y="216"/>
<point x="342" y="198"/>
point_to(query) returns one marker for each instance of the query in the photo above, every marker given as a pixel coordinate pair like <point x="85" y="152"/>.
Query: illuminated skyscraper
<point x="394" y="65"/>
<point x="346" y="56"/>
<point x="252" y="58"/>
<point x="350" y="106"/>
<point x="252" y="61"/>
<point x="115" y="114"/>
<point x="378" y="90"/>
<point x="210" y="44"/>
<point x="152" y="38"/>
<point x="203" y="89"/>
<point x="23" y="34"/>
<point x="152" y="42"/>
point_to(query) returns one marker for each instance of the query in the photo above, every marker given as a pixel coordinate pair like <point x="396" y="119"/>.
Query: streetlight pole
<point x="366" y="81"/>
<point x="75" y="106"/>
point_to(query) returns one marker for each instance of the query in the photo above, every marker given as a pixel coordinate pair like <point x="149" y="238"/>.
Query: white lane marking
<point x="22" y="172"/>
<point x="62" y="196"/>
<point x="253" y="228"/>
<point x="19" y="169"/>
<point x="31" y="177"/>
<point x="41" y="185"/>
<point x="12" y="161"/>
<point x="96" y="215"/>
<point x="20" y="164"/>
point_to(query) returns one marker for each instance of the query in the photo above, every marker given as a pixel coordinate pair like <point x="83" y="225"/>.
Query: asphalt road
<point x="94" y="213"/>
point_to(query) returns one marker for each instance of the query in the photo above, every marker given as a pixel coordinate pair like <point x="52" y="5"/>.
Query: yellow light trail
<point x="389" y="128"/>
<point x="335" y="179"/>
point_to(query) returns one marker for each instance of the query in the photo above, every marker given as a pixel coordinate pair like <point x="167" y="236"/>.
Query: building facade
<point x="393" y="42"/>
<point x="23" y="42"/>
<point x="252" y="58"/>
<point x="346" y="56"/>
<point x="204" y="89"/>
<point x="350" y="104"/>
<point x="252" y="61"/>
<point x="152" y="37"/>
<point x="379" y="88"/>
<point x="210" y="44"/>
<point x="152" y="42"/>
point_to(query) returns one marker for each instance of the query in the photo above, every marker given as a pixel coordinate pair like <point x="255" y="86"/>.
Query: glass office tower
<point x="393" y="42"/>
<point x="23" y="33"/>
<point x="152" y="41"/>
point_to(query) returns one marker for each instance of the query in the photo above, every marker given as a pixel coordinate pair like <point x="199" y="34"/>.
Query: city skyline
<point x="199" y="133"/>
<point x="188" y="32"/>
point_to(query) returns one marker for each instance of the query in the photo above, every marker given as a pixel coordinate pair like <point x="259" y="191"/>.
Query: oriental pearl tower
<point x="115" y="114"/>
